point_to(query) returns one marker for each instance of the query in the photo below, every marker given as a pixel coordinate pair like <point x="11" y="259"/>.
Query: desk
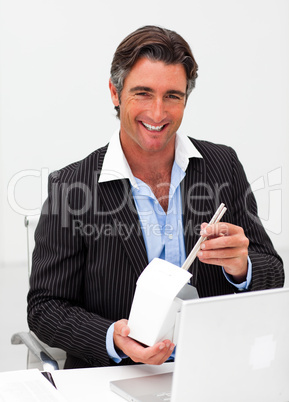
<point x="93" y="384"/>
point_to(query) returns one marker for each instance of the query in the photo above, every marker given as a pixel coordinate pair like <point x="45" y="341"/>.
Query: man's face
<point x="152" y="105"/>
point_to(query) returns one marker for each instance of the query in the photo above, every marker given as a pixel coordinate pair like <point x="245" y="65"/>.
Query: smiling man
<point x="152" y="105"/>
<point x="146" y="194"/>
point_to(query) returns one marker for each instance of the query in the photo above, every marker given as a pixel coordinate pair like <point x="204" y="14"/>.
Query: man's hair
<point x="156" y="44"/>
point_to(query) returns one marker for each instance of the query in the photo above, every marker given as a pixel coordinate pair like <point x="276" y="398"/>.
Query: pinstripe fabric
<point x="90" y="251"/>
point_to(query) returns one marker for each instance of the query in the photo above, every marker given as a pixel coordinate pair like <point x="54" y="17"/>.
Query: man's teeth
<point x="153" y="128"/>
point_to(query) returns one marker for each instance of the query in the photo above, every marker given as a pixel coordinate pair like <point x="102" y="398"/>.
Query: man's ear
<point x="113" y="94"/>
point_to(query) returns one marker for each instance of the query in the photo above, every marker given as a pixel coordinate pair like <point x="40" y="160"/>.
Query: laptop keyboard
<point x="163" y="396"/>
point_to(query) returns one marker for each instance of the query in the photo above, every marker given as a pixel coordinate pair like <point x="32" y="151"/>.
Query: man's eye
<point x="174" y="97"/>
<point x="142" y="94"/>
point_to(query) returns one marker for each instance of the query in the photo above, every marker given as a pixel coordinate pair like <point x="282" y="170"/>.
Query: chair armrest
<point x="36" y="348"/>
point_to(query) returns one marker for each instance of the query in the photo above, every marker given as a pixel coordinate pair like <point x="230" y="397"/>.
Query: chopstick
<point x="215" y="219"/>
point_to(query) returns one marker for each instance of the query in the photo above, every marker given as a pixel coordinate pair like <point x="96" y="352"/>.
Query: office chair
<point x="39" y="355"/>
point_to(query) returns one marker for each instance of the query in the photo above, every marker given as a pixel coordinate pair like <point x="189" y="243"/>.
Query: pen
<point x="49" y="377"/>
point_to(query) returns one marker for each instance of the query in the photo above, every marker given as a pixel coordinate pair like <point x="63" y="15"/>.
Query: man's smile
<point x="153" y="128"/>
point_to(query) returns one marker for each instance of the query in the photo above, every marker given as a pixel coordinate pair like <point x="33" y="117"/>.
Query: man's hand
<point x="156" y="354"/>
<point x="227" y="246"/>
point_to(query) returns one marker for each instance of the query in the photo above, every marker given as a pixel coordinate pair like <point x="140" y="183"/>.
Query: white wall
<point x="55" y="104"/>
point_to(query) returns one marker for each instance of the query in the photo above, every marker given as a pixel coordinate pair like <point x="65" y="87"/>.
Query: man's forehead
<point x="146" y="73"/>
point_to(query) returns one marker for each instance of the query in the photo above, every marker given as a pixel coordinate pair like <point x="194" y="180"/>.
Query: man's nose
<point x="158" y="110"/>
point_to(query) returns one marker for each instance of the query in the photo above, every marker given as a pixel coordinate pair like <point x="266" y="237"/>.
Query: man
<point x="145" y="195"/>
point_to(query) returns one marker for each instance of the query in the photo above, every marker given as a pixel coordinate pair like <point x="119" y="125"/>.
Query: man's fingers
<point x="156" y="354"/>
<point x="223" y="235"/>
<point x="227" y="246"/>
<point x="160" y="352"/>
<point x="121" y="328"/>
<point x="226" y="242"/>
<point x="218" y="229"/>
<point x="203" y="226"/>
<point x="221" y="242"/>
<point x="219" y="253"/>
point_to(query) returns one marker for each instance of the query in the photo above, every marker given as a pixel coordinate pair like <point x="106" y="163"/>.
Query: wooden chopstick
<point x="215" y="219"/>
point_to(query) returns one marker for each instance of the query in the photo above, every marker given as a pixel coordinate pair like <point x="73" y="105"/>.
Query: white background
<point x="55" y="104"/>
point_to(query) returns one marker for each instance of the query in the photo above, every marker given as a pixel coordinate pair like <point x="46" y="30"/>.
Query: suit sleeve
<point x="55" y="300"/>
<point x="267" y="266"/>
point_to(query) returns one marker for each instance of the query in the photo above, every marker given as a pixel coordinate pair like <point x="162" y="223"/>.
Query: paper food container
<point x="158" y="297"/>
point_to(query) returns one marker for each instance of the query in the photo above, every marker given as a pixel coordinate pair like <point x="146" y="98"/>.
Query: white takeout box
<point x="158" y="297"/>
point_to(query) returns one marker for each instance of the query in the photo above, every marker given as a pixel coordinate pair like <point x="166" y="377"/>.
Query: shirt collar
<point x="116" y="167"/>
<point x="185" y="150"/>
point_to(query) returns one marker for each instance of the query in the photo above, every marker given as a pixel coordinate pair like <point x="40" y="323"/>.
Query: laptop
<point x="230" y="348"/>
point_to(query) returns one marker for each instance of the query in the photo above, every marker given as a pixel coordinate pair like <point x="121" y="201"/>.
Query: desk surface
<point x="93" y="384"/>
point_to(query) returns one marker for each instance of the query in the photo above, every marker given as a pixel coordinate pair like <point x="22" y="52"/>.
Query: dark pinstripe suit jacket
<point x="90" y="251"/>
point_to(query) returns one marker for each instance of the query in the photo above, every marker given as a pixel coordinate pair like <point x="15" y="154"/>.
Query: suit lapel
<point x="196" y="209"/>
<point x="118" y="201"/>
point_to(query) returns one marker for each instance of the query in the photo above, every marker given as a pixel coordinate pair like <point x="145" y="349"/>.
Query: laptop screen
<point x="230" y="348"/>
